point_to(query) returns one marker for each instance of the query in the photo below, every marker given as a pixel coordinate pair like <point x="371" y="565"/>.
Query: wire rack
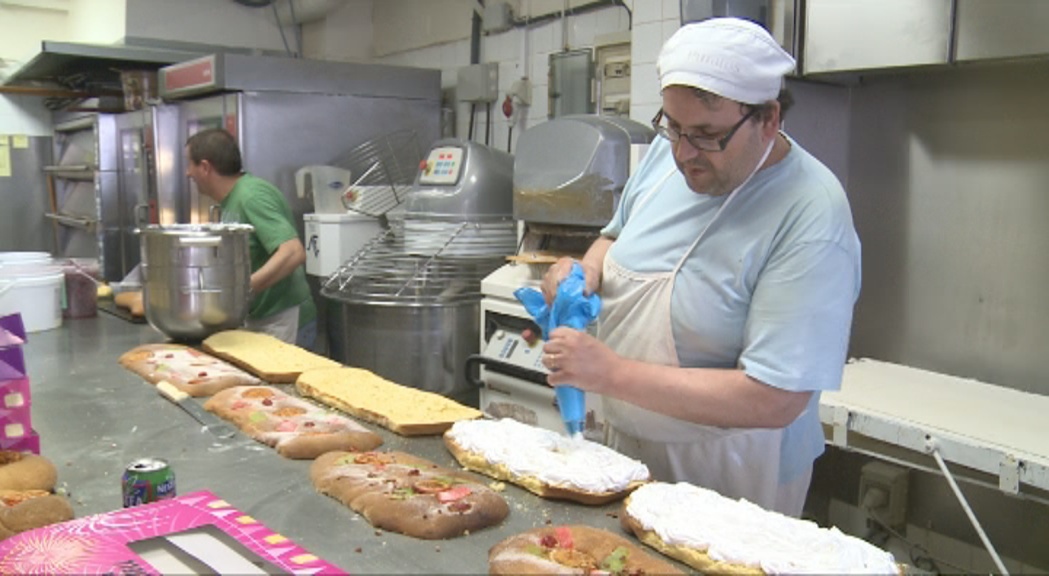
<point x="382" y="170"/>
<point x="435" y="263"/>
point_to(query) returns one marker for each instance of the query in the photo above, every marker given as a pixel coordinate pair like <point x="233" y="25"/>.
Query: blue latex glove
<point x="571" y="308"/>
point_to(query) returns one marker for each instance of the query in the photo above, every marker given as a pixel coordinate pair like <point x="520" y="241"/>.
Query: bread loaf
<point x="295" y="427"/>
<point x="543" y="462"/>
<point x="573" y="550"/>
<point x="717" y="535"/>
<point x="189" y="370"/>
<point x="22" y="510"/>
<point x="406" y="411"/>
<point x="407" y="494"/>
<point x="265" y="356"/>
<point x="19" y="471"/>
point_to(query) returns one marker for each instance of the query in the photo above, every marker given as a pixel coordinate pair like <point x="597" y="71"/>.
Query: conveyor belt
<point x="992" y="429"/>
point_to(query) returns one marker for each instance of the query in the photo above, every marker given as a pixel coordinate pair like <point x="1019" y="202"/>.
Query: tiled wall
<point x="526" y="51"/>
<point x="654" y="22"/>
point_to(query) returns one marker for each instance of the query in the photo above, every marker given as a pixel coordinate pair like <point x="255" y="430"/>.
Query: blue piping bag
<point x="573" y="309"/>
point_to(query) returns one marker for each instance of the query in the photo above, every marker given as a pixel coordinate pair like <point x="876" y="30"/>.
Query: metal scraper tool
<point x="212" y="423"/>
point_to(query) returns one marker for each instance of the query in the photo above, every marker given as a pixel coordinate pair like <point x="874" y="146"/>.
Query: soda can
<point x="147" y="480"/>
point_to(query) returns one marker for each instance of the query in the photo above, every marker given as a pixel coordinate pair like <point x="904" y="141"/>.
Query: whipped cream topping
<point x="740" y="532"/>
<point x="548" y="456"/>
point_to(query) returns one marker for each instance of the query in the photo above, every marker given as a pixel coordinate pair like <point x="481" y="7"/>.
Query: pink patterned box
<point x="30" y="442"/>
<point x="15" y="417"/>
<point x="12" y="337"/>
<point x="110" y="543"/>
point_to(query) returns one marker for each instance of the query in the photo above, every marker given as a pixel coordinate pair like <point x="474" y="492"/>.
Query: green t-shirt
<point x="257" y="202"/>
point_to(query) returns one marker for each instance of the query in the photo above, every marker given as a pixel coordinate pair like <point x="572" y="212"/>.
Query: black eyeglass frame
<point x="699" y="143"/>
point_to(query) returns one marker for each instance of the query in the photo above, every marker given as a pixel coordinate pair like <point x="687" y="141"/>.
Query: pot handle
<point x="212" y="241"/>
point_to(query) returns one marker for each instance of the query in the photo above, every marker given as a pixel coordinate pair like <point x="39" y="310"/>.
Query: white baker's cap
<point x="733" y="58"/>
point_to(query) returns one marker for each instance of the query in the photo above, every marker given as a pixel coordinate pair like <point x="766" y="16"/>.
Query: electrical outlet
<point x="883" y="492"/>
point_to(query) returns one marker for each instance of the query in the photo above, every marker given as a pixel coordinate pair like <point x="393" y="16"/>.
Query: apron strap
<point x="731" y="196"/>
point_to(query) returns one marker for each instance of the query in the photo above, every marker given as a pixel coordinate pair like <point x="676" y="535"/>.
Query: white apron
<point x="736" y="462"/>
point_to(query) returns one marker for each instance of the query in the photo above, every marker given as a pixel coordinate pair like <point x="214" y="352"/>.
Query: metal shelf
<point x="78" y="222"/>
<point x="72" y="172"/>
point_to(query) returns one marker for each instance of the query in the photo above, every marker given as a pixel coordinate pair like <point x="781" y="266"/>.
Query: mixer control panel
<point x="442" y="166"/>
<point x="516" y="349"/>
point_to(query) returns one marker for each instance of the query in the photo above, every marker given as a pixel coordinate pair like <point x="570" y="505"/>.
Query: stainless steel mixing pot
<point x="196" y="278"/>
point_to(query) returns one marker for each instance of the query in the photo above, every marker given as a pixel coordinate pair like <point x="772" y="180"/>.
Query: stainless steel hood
<point x="72" y="65"/>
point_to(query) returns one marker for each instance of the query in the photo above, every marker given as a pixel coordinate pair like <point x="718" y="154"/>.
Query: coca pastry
<point x="573" y="550"/>
<point x="189" y="370"/>
<point x="295" y="427"/>
<point x="544" y="462"/>
<point x="714" y="534"/>
<point x="403" y="493"/>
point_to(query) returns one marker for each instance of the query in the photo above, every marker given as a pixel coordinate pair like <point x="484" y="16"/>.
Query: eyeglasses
<point x="706" y="144"/>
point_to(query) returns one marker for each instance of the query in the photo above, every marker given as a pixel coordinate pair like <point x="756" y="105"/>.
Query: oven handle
<point x="501" y="366"/>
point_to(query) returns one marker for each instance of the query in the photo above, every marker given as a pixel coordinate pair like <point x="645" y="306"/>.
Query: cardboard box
<point x="196" y="533"/>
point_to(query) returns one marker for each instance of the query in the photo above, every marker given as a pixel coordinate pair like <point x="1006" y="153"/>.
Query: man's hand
<point x="577" y="358"/>
<point x="559" y="271"/>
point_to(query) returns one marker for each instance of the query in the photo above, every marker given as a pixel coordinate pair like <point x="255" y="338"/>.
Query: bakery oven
<point x="568" y="175"/>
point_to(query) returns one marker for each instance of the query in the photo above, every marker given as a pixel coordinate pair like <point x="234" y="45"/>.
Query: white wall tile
<point x="669" y="27"/>
<point x="449" y="77"/>
<point x="644" y="85"/>
<point x="646" y="41"/>
<point x="499" y="47"/>
<point x="581" y="30"/>
<point x="541" y="39"/>
<point x="540" y="68"/>
<point x="647" y="11"/>
<point x="509" y="72"/>
<point x="450" y="55"/>
<point x="643" y="113"/>
<point x="672" y="10"/>
<point x="24" y="115"/>
<point x="610" y="20"/>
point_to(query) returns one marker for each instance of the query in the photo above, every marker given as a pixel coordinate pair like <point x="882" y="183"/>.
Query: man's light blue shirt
<point x="771" y="286"/>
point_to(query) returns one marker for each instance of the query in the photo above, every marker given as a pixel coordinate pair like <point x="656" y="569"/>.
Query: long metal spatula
<point x="212" y="423"/>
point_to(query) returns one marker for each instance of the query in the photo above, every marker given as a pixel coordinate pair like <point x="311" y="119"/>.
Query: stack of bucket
<point x="16" y="430"/>
<point x="44" y="291"/>
<point x="33" y="286"/>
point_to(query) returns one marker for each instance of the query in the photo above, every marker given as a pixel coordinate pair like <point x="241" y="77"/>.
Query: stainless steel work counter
<point x="94" y="418"/>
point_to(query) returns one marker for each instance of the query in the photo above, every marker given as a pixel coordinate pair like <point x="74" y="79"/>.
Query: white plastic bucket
<point x="24" y="258"/>
<point x="35" y="292"/>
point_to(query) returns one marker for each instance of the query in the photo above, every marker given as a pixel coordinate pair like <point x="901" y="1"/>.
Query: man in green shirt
<point x="281" y="305"/>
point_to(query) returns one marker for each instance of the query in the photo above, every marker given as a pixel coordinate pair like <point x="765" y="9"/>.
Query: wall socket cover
<point x="893" y="481"/>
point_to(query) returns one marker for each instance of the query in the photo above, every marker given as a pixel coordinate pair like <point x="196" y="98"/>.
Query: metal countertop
<point x="94" y="417"/>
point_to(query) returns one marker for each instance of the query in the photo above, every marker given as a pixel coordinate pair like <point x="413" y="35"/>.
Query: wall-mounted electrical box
<point x="571" y="83"/>
<point x="612" y="73"/>
<point x="498" y="17"/>
<point x="478" y="83"/>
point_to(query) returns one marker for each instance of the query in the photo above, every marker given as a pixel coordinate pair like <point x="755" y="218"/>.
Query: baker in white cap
<point x="728" y="276"/>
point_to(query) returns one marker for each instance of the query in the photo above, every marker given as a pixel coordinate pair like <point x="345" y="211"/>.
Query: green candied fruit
<point x="616" y="561"/>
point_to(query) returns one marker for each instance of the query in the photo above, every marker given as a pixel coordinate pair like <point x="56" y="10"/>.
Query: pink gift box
<point x="12" y="364"/>
<point x="116" y="542"/>
<point x="28" y="443"/>
<point x="14" y="394"/>
<point x="12" y="331"/>
<point x="15" y="423"/>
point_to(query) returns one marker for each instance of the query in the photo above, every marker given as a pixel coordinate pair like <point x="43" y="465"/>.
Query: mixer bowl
<point x="196" y="278"/>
